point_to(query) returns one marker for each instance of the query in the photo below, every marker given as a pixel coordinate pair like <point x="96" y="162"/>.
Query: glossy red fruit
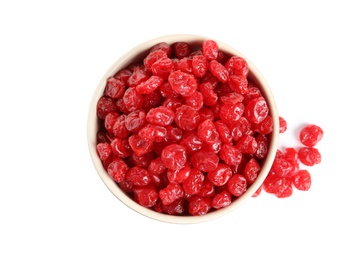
<point x="123" y="75"/>
<point x="163" y="67"/>
<point x="135" y="120"/>
<point x="199" y="206"/>
<point x="251" y="170"/>
<point x="207" y="132"/>
<point x="194" y="182"/>
<point x="181" y="49"/>
<point x="265" y="126"/>
<point x="171" y="193"/>
<point x="138" y="176"/>
<point x="183" y="83"/>
<point x="156" y="166"/>
<point x="149" y="85"/>
<point x="256" y="110"/>
<point x="283" y="125"/>
<point x="163" y="46"/>
<point x="187" y="118"/>
<point x="210" y="49"/>
<point x="237" y="66"/>
<point x="219" y="71"/>
<point x="121" y="147"/>
<point x="139" y="75"/>
<point x="196" y="100"/>
<point x="161" y="116"/>
<point x="302" y="180"/>
<point x="104" y="150"/>
<point x="310" y="135"/>
<point x="152" y="57"/>
<point x="277" y="185"/>
<point x="105" y="105"/>
<point x="220" y="175"/>
<point x="146" y="196"/>
<point x="230" y="114"/>
<point x="223" y="131"/>
<point x="262" y="146"/>
<point x="174" y="156"/>
<point x="153" y="133"/>
<point x="221" y="200"/>
<point x="132" y="101"/>
<point x="180" y="175"/>
<point x="309" y="156"/>
<point x="139" y="145"/>
<point x="207" y="189"/>
<point x="200" y="65"/>
<point x="204" y="160"/>
<point x="247" y="144"/>
<point x="230" y="154"/>
<point x="114" y="88"/>
<point x="237" y="185"/>
<point x="117" y="169"/>
<point x="281" y="167"/>
<point x="184" y="131"/>
<point x="238" y="83"/>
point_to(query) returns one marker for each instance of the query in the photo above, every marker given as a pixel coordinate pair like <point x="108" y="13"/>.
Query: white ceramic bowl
<point x="138" y="53"/>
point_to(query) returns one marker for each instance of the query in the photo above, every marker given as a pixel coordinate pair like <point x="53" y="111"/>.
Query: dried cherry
<point x="184" y="130"/>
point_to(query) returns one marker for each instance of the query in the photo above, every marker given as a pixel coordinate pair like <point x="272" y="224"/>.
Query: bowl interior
<point x="138" y="53"/>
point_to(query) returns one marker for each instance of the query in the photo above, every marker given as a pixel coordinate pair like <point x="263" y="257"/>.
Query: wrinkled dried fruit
<point x="184" y="131"/>
<point x="310" y="135"/>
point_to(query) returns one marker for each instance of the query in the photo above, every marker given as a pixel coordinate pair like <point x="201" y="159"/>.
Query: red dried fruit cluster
<point x="183" y="131"/>
<point x="285" y="172"/>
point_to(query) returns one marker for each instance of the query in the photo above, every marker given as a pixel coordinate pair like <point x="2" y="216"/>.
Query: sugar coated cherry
<point x="184" y="130"/>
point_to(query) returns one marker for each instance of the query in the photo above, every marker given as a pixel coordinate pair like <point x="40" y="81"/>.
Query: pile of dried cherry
<point x="286" y="171"/>
<point x="184" y="131"/>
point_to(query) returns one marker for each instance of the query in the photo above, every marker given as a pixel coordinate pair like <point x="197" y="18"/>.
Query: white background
<point x="53" y="203"/>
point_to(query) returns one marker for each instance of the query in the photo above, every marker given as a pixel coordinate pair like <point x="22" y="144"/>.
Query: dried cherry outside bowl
<point x="138" y="53"/>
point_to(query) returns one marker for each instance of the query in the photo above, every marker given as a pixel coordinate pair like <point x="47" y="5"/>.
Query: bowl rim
<point x="92" y="125"/>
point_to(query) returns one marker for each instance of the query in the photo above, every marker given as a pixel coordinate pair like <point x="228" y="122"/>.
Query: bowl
<point x="139" y="52"/>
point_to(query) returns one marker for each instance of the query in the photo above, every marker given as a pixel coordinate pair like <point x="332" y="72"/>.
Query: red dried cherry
<point x="174" y="156"/>
<point x="309" y="156"/>
<point x="105" y="105"/>
<point x="194" y="182"/>
<point x="220" y="175"/>
<point x="251" y="171"/>
<point x="210" y="49"/>
<point x="256" y="110"/>
<point x="171" y="193"/>
<point x="237" y="185"/>
<point x="161" y="116"/>
<point x="310" y="135"/>
<point x="138" y="176"/>
<point x="302" y="180"/>
<point x="219" y="71"/>
<point x="183" y="83"/>
<point x="200" y="65"/>
<point x="181" y="49"/>
<point x="114" y="88"/>
<point x="187" y="118"/>
<point x="104" y="150"/>
<point x="204" y="160"/>
<point x="117" y="169"/>
<point x="149" y="85"/>
<point x="185" y="132"/>
<point x="199" y="206"/>
<point x="146" y="196"/>
<point x="221" y="200"/>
